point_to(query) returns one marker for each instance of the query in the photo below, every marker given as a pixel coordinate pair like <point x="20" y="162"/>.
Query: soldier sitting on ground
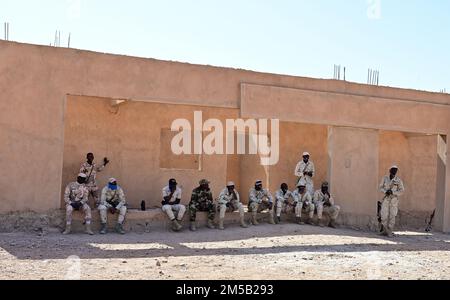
<point x="259" y="200"/>
<point x="172" y="204"/>
<point x="112" y="199"/>
<point x="229" y="199"/>
<point x="325" y="205"/>
<point x="76" y="198"/>
<point x="202" y="200"/>
<point x="303" y="203"/>
<point x="282" y="197"/>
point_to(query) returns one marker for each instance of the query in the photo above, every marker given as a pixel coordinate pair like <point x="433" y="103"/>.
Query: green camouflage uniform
<point x="202" y="200"/>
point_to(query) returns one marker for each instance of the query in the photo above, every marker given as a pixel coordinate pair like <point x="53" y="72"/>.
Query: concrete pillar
<point x="445" y="207"/>
<point x="353" y="169"/>
<point x="440" y="183"/>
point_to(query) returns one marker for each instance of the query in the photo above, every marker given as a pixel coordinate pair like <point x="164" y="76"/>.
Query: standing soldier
<point x="171" y="204"/>
<point x="112" y="199"/>
<point x="259" y="200"/>
<point x="325" y="205"/>
<point x="202" y="200"/>
<point x="282" y="201"/>
<point x="76" y="198"/>
<point x="90" y="169"/>
<point x="303" y="203"/>
<point x="229" y="198"/>
<point x="392" y="188"/>
<point x="305" y="170"/>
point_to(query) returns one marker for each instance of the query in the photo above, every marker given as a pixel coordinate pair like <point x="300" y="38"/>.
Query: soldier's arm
<point x="316" y="198"/>
<point x="194" y="196"/>
<point x="252" y="196"/>
<point x="312" y="169"/>
<point x="401" y="189"/>
<point x="67" y="195"/>
<point x="297" y="171"/>
<point x="279" y="197"/>
<point x="122" y="199"/>
<point x="210" y="196"/>
<point x="382" y="187"/>
<point x="85" y="196"/>
<point x="308" y="198"/>
<point x="100" y="168"/>
<point x="269" y="196"/>
<point x="177" y="197"/>
<point x="103" y="200"/>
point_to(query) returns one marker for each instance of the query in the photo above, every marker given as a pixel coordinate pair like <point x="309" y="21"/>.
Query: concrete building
<point x="58" y="104"/>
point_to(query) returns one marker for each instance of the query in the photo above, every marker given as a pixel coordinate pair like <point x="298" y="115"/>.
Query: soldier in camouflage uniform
<point x="259" y="200"/>
<point x="282" y="197"/>
<point x="76" y="198"/>
<point x="305" y="170"/>
<point x="392" y="187"/>
<point x="202" y="200"/>
<point x="229" y="199"/>
<point x="90" y="169"/>
<point x="112" y="199"/>
<point x="325" y="205"/>
<point x="303" y="203"/>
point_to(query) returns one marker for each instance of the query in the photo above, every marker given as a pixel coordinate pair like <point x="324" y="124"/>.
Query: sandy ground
<point x="285" y="251"/>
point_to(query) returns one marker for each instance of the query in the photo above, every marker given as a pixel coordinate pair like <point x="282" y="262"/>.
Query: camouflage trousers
<point x="331" y="211"/>
<point x="305" y="208"/>
<point x="389" y="210"/>
<point x="202" y="206"/>
<point x="234" y="205"/>
<point x="104" y="214"/>
<point x="85" y="208"/>
<point x="93" y="193"/>
<point x="255" y="208"/>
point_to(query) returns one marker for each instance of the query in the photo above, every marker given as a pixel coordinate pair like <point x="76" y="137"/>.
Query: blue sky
<point x="408" y="41"/>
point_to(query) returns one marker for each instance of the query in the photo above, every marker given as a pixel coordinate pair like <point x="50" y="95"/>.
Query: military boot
<point x="310" y="222"/>
<point x="271" y="220"/>
<point x="119" y="228"/>
<point x="332" y="224"/>
<point x="254" y="220"/>
<point x="221" y="227"/>
<point x="320" y="223"/>
<point x="278" y="220"/>
<point x="176" y="226"/>
<point x="210" y="224"/>
<point x="243" y="224"/>
<point x="299" y="221"/>
<point x="103" y="229"/>
<point x="192" y="227"/>
<point x="89" y="230"/>
<point x="68" y="229"/>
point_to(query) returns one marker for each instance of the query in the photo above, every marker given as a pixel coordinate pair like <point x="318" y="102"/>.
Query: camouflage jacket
<point x="200" y="196"/>
<point x="76" y="192"/>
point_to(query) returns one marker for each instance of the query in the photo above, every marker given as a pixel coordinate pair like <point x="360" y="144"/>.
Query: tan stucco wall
<point x="415" y="155"/>
<point x="34" y="82"/>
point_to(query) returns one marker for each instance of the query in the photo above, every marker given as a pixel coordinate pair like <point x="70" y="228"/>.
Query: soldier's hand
<point x="105" y="161"/>
<point x="112" y="210"/>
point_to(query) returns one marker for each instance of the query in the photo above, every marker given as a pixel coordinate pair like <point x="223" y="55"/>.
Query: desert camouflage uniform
<point x="110" y="199"/>
<point x="232" y="199"/>
<point x="91" y="182"/>
<point x="325" y="205"/>
<point x="201" y="201"/>
<point x="259" y="201"/>
<point x="73" y="193"/>
<point x="171" y="209"/>
<point x="300" y="169"/>
<point x="389" y="207"/>
<point x="303" y="203"/>
<point x="282" y="201"/>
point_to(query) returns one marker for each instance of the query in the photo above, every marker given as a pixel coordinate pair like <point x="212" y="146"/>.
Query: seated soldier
<point x="259" y="200"/>
<point x="229" y="199"/>
<point x="325" y="205"/>
<point x="303" y="203"/>
<point x="202" y="200"/>
<point x="171" y="204"/>
<point x="282" y="201"/>
<point x="76" y="198"/>
<point x="112" y="199"/>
